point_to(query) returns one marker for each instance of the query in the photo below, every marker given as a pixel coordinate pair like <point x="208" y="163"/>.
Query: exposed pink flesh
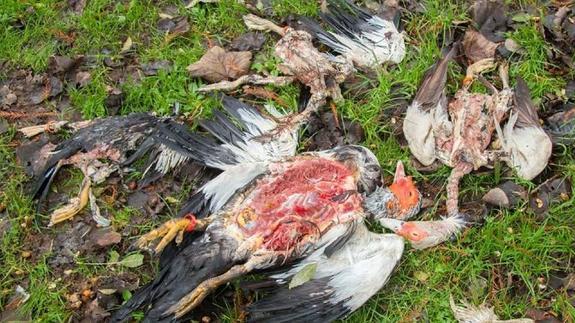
<point x="300" y="200"/>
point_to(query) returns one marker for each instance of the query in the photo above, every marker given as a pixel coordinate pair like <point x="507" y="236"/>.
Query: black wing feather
<point x="432" y="88"/>
<point x="310" y="302"/>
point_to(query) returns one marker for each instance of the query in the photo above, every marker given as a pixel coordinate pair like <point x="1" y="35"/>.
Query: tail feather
<point x="198" y="262"/>
<point x="318" y="32"/>
<point x="347" y="18"/>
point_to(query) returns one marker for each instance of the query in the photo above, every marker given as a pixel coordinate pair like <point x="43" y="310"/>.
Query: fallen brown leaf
<point x="477" y="47"/>
<point x="173" y="27"/>
<point x="218" y="65"/>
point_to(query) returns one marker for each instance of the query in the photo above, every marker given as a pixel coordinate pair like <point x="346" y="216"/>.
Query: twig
<point x="13" y="115"/>
<point x="266" y="94"/>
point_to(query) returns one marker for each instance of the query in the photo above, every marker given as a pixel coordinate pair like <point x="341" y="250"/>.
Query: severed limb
<point x="477" y="68"/>
<point x="173" y="229"/>
<point x="195" y="297"/>
<point x="247" y="79"/>
<point x="32" y="131"/>
<point x="455" y="177"/>
<point x="74" y="206"/>
<point x="256" y="23"/>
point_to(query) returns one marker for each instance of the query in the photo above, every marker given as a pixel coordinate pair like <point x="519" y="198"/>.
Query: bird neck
<point x="382" y="203"/>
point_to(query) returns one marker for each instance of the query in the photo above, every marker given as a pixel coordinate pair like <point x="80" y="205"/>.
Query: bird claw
<point x="172" y="230"/>
<point x="74" y="206"/>
<point x="191" y="300"/>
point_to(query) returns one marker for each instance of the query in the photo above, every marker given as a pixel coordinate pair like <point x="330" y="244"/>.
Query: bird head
<point x="426" y="234"/>
<point x="401" y="200"/>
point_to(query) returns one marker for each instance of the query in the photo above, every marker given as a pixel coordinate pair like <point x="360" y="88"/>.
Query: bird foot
<point x="193" y="299"/>
<point x="74" y="206"/>
<point x="171" y="230"/>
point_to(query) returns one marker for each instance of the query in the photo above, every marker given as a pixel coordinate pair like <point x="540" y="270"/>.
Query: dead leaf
<point x="105" y="237"/>
<point x="218" y="65"/>
<point x="152" y="68"/>
<point x="132" y="261"/>
<point x="7" y="97"/>
<point x="77" y="5"/>
<point x="83" y="78"/>
<point x="174" y="27"/>
<point x="477" y="47"/>
<point x="60" y="64"/>
<point x="552" y="190"/>
<point x="512" y="46"/>
<point x="303" y="276"/>
<point x="325" y="133"/>
<point x="490" y="18"/>
<point x="421" y="276"/>
<point x="251" y="41"/>
<point x="561" y="126"/>
<point x="127" y="45"/>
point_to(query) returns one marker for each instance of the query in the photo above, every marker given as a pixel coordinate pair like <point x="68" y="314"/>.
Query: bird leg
<point x="247" y="79"/>
<point x="195" y="297"/>
<point x="256" y="23"/>
<point x="476" y="68"/>
<point x="74" y="206"/>
<point x="173" y="229"/>
<point x="457" y="173"/>
<point x="292" y="122"/>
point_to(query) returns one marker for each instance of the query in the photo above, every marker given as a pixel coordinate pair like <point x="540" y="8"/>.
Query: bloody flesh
<point x="299" y="200"/>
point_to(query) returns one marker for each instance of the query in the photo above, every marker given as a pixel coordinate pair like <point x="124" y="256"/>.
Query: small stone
<point x="83" y="78"/>
<point x="512" y="46"/>
<point x="106" y="237"/>
<point x="10" y="99"/>
<point x="206" y="319"/>
<point x="26" y="254"/>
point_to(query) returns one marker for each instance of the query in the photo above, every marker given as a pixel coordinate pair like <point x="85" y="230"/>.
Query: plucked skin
<point x="457" y="133"/>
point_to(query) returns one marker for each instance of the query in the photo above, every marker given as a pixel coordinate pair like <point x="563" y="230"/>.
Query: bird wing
<point x="233" y="141"/>
<point x="357" y="34"/>
<point x="431" y="91"/>
<point x="524" y="107"/>
<point x="342" y="281"/>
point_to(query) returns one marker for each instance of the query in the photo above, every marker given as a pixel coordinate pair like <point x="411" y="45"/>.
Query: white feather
<point x="359" y="269"/>
<point x="220" y="189"/>
<point x="418" y="131"/>
<point x="371" y="48"/>
<point x="529" y="148"/>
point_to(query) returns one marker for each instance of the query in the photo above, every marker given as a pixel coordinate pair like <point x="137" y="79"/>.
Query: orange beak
<point x="399" y="173"/>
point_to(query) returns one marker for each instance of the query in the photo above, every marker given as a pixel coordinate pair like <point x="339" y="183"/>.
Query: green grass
<point x="511" y="246"/>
